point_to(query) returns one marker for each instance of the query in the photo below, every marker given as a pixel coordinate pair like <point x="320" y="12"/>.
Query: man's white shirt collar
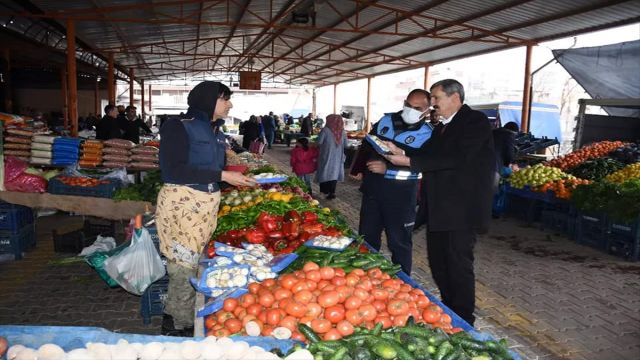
<point x="448" y="120"/>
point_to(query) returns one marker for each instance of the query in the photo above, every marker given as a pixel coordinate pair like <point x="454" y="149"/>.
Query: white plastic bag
<point x="101" y="244"/>
<point x="138" y="266"/>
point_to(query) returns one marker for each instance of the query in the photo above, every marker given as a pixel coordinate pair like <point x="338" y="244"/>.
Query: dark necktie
<point x="439" y="128"/>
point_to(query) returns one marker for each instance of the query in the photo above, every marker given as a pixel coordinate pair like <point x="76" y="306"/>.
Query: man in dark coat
<point x="306" y="126"/>
<point x="107" y="128"/>
<point x="458" y="165"/>
<point x="131" y="125"/>
<point x="504" y="143"/>
<point x="269" y="126"/>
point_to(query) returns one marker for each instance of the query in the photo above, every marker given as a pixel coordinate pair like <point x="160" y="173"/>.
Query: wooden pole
<point x="8" y="100"/>
<point x="96" y="99"/>
<point x="111" y="82"/>
<point x="142" y="112"/>
<point x="526" y="92"/>
<point x="367" y="123"/>
<point x="426" y="77"/>
<point x="335" y="94"/>
<point x="313" y="101"/>
<point x="150" y="97"/>
<point x="71" y="74"/>
<point x="65" y="99"/>
<point x="131" y="83"/>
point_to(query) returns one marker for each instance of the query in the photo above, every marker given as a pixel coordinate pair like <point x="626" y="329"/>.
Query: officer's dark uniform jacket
<point x="201" y="166"/>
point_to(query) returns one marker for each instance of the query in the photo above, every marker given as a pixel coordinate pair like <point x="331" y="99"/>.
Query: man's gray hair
<point x="450" y="86"/>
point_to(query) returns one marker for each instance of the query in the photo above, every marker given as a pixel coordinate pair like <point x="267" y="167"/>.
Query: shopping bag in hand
<point x="137" y="266"/>
<point x="257" y="146"/>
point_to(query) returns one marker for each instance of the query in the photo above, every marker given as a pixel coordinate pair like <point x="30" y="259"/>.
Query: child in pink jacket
<point x="304" y="160"/>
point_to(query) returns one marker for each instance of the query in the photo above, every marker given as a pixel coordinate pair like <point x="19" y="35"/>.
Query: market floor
<point x="551" y="298"/>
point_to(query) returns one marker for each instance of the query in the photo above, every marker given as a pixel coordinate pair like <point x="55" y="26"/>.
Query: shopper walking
<point x="389" y="199"/>
<point x="250" y="131"/>
<point x="192" y="156"/>
<point x="331" y="141"/>
<point x="458" y="164"/>
<point x="306" y="125"/>
<point x="304" y="160"/>
<point x="269" y="127"/>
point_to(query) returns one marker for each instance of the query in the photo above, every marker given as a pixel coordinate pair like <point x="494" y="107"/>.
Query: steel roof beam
<point x="232" y="31"/>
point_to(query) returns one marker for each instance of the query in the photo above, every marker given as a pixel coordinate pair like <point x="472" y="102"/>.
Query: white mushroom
<point x="27" y="354"/>
<point x="170" y="355"/>
<point x="236" y="350"/>
<point x="99" y="350"/>
<point x="211" y="350"/>
<point x="302" y="354"/>
<point x="151" y="351"/>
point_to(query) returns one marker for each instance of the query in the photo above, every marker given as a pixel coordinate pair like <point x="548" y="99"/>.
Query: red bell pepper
<point x="332" y="231"/>
<point x="290" y="230"/>
<point x="235" y="234"/>
<point x="277" y="234"/>
<point x="280" y="244"/>
<point x="292" y="216"/>
<point x="267" y="222"/>
<point x="312" y="228"/>
<point x="363" y="249"/>
<point x="309" y="217"/>
<point x="255" y="236"/>
<point x="211" y="250"/>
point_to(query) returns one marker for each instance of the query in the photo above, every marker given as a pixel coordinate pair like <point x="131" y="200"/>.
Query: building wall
<point x="28" y="101"/>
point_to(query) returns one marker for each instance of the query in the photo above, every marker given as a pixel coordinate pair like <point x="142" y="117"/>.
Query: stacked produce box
<point x="65" y="151"/>
<point x="17" y="142"/>
<point x="42" y="149"/>
<point x="116" y="153"/>
<point x="91" y="154"/>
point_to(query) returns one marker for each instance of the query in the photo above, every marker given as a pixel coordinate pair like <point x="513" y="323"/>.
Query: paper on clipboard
<point x="378" y="145"/>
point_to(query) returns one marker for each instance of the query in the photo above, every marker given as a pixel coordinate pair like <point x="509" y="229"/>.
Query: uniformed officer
<point x="389" y="199"/>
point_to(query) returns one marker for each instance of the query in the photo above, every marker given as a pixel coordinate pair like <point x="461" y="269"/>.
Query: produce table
<point x="91" y="206"/>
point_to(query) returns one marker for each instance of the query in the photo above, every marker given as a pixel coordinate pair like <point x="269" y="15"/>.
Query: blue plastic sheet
<point x="545" y="118"/>
<point x="76" y="337"/>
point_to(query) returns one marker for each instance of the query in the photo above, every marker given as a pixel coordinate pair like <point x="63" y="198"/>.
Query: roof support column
<point x="142" y="112"/>
<point x="426" y="77"/>
<point x="65" y="101"/>
<point x="73" y="78"/>
<point x="526" y="92"/>
<point x="335" y="94"/>
<point x="8" y="93"/>
<point x="96" y="97"/>
<point x="111" y="82"/>
<point x="367" y="121"/>
<point x="131" y="84"/>
<point x="313" y="102"/>
<point x="150" y="97"/>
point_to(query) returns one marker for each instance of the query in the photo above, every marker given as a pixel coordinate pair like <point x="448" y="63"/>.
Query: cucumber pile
<point x="346" y="260"/>
<point x="412" y="342"/>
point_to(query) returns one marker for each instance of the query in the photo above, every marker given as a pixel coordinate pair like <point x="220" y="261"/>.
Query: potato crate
<point x="592" y="230"/>
<point x="102" y="191"/>
<point x="152" y="300"/>
<point x="14" y="217"/>
<point x="624" y="240"/>
<point x="16" y="243"/>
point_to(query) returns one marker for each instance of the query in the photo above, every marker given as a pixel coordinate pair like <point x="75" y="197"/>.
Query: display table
<point x="91" y="206"/>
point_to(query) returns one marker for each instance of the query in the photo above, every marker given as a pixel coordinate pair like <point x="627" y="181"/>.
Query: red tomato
<point x="281" y="293"/>
<point x="322" y="284"/>
<point x="445" y="318"/>
<point x="332" y="334"/>
<point x="247" y="299"/>
<point x="385" y="320"/>
<point x="268" y="283"/>
<point x="222" y="316"/>
<point x="273" y="317"/>
<point x="314" y="275"/>
<point x="340" y="272"/>
<point x="310" y="266"/>
<point x="368" y="312"/>
<point x="299" y="286"/>
<point x="320" y="326"/>
<point x="240" y="312"/>
<point x="313" y="310"/>
<point x="230" y="304"/>
<point x="327" y="273"/>
<point x="255" y="309"/>
<point x="266" y="300"/>
<point x="338" y="281"/>
<point x="297" y="336"/>
<point x="266" y="330"/>
<point x="379" y="305"/>
<point x="361" y="293"/>
<point x="422" y="301"/>
<point x="344" y="291"/>
<point x="209" y="321"/>
<point x="353" y="316"/>
<point x="344" y="328"/>
<point x="397" y="307"/>
<point x="328" y="298"/>
<point x="303" y="296"/>
<point x="380" y="294"/>
<point x="352" y="279"/>
<point x="400" y="320"/>
<point x="430" y="316"/>
<point x="296" y="309"/>
<point x="306" y="320"/>
<point x="220" y="333"/>
<point x="374" y="273"/>
<point x="358" y="272"/>
<point x="352" y="302"/>
<point x="233" y="325"/>
<point x="335" y="313"/>
<point x="288" y="280"/>
<point x="289" y="322"/>
<point x="248" y="318"/>
<point x="254" y="287"/>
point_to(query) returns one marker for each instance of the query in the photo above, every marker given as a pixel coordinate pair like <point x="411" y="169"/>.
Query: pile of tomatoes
<point x="591" y="151"/>
<point x="81" y="181"/>
<point x="328" y="300"/>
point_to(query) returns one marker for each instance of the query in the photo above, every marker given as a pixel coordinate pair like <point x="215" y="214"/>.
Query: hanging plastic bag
<point x="137" y="266"/>
<point x="117" y="174"/>
<point x="97" y="259"/>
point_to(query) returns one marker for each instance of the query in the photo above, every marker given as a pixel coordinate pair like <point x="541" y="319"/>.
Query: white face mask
<point x="411" y="115"/>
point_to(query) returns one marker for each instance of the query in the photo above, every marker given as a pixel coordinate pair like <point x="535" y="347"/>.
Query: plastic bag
<point x="101" y="244"/>
<point x="137" y="266"/>
<point x="97" y="259"/>
<point x="13" y="167"/>
<point x="27" y="183"/>
<point x="117" y="174"/>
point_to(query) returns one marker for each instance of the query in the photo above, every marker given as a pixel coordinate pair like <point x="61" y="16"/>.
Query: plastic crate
<point x="152" y="300"/>
<point x="102" y="191"/>
<point x="526" y="209"/>
<point x="14" y="217"/>
<point x="624" y="240"/>
<point x="592" y="229"/>
<point x="560" y="221"/>
<point x="93" y="229"/>
<point x="17" y="242"/>
<point x="71" y="242"/>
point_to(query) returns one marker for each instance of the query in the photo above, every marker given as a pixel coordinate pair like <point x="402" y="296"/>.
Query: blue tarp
<point x="545" y="118"/>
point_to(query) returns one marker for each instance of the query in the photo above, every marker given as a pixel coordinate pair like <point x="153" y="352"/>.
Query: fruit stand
<point x="592" y="195"/>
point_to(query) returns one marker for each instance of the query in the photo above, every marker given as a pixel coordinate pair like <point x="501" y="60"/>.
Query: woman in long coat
<point x="331" y="141"/>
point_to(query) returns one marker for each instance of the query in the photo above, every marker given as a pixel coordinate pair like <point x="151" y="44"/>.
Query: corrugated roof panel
<point x="458" y="9"/>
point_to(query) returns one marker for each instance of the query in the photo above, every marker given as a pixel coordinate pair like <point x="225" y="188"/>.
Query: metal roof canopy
<point x="343" y="39"/>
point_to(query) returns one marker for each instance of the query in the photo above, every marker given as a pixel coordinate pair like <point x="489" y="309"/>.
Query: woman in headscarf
<point x="332" y="141"/>
<point x="192" y="158"/>
<point x="251" y="131"/>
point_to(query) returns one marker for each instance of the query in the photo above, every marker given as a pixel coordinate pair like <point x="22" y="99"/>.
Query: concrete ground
<point x="551" y="298"/>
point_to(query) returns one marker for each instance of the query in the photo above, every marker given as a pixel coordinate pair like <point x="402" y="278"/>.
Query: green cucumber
<point x="308" y="333"/>
<point x="340" y="353"/>
<point x="373" y="264"/>
<point x="357" y="263"/>
<point x="443" y="350"/>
